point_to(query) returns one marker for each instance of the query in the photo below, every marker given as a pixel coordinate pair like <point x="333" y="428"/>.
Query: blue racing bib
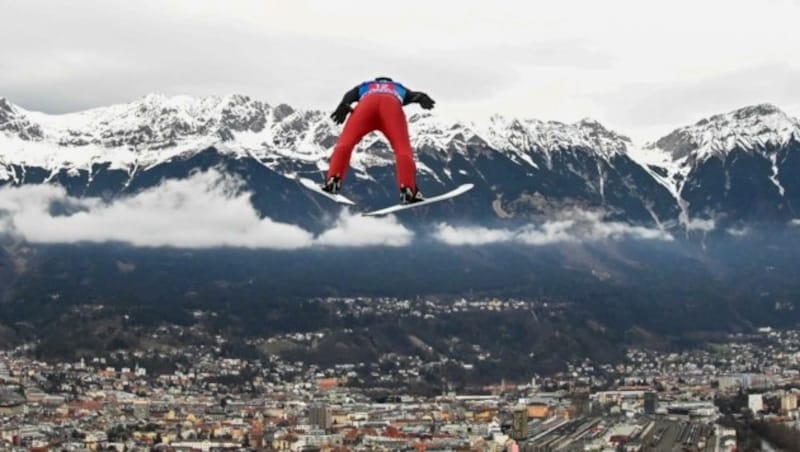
<point x="382" y="87"/>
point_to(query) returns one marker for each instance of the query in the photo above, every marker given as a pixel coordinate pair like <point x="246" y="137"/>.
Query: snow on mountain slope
<point x="582" y="163"/>
<point x="760" y="129"/>
<point x="156" y="128"/>
<point x="752" y="128"/>
<point x="757" y="128"/>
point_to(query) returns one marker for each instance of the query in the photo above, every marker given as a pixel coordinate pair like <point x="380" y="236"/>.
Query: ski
<point x="311" y="185"/>
<point x="398" y="207"/>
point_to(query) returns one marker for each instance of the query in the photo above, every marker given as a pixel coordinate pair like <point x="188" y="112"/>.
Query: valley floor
<point x="701" y="399"/>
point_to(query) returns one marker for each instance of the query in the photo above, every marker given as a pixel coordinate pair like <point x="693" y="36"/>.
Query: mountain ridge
<point x="157" y="121"/>
<point x="527" y="166"/>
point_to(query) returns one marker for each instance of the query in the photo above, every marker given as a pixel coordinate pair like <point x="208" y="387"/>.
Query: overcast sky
<point x="640" y="67"/>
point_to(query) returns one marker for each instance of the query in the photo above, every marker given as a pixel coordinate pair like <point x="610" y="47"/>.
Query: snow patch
<point x="774" y="176"/>
<point x="671" y="174"/>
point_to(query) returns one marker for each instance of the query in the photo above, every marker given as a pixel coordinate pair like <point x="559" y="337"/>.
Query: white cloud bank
<point x="701" y="224"/>
<point x="210" y="210"/>
<point x="357" y="230"/>
<point x="738" y="231"/>
<point x="204" y="211"/>
<point x="574" y="226"/>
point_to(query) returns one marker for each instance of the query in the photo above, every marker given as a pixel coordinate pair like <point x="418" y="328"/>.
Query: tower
<point x="319" y="415"/>
<point x="519" y="424"/>
<point x="650" y="402"/>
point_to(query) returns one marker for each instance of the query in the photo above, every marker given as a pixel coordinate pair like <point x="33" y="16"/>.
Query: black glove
<point x="341" y="113"/>
<point x="425" y="101"/>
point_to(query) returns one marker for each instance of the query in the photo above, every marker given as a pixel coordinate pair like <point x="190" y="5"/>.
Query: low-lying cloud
<point x="573" y="226"/>
<point x="210" y="210"/>
<point x="355" y="230"/>
<point x="701" y="225"/>
<point x="738" y="231"/>
<point x="204" y="211"/>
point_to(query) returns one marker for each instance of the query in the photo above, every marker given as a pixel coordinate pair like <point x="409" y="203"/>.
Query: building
<point x="319" y="415"/>
<point x="788" y="402"/>
<point x="519" y="424"/>
<point x="141" y="409"/>
<point x="726" y="439"/>
<point x="756" y="381"/>
<point x="650" y="402"/>
<point x="729" y="383"/>
<point x="755" y="402"/>
<point x="538" y="411"/>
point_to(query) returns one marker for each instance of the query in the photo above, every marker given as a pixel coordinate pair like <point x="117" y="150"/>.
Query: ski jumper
<point x="380" y="107"/>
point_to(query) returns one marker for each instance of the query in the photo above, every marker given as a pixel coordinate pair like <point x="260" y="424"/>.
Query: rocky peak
<point x="13" y="121"/>
<point x="750" y="128"/>
<point x="756" y="111"/>
<point x="282" y="111"/>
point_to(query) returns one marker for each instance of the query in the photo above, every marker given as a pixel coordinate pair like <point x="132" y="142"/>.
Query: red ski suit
<point x="383" y="111"/>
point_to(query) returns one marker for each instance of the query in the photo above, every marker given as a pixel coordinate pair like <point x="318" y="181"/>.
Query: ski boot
<point x="332" y="185"/>
<point x="410" y="195"/>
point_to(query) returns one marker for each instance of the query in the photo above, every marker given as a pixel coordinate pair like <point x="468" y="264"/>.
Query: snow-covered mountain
<point x="729" y="164"/>
<point x="522" y="167"/>
<point x="155" y="128"/>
